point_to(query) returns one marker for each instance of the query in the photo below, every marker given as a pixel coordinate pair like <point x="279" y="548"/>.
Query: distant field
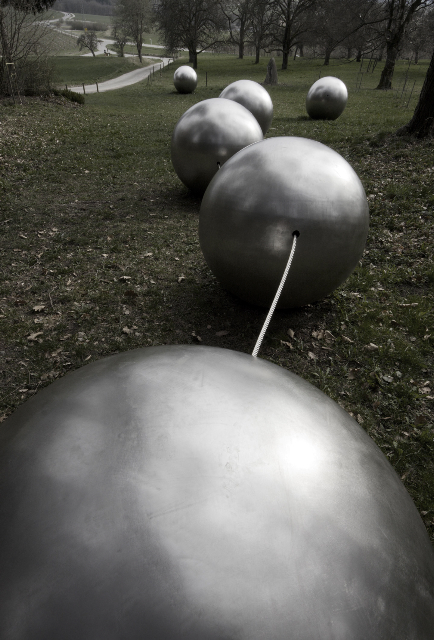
<point x="72" y="70"/>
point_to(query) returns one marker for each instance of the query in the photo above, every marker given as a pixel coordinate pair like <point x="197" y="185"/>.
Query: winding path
<point x="122" y="81"/>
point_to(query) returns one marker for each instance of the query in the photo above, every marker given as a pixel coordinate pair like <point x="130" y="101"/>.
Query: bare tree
<point x="195" y="25"/>
<point x="420" y="33"/>
<point x="88" y="40"/>
<point x="398" y="15"/>
<point x="134" y="17"/>
<point x="422" y="123"/>
<point x="24" y="47"/>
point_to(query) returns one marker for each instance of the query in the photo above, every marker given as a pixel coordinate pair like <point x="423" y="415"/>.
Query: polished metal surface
<point x="196" y="493"/>
<point x="207" y="135"/>
<point x="326" y="99"/>
<point x="185" y="79"/>
<point x="254" y="97"/>
<point x="260" y="198"/>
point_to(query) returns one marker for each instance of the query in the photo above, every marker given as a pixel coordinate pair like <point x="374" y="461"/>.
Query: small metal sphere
<point x="260" y="198"/>
<point x="326" y="99"/>
<point x="189" y="492"/>
<point x="254" y="97"/>
<point x="185" y="79"/>
<point x="207" y="135"/>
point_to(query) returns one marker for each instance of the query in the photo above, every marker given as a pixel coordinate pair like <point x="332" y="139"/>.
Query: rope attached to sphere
<point x="276" y="297"/>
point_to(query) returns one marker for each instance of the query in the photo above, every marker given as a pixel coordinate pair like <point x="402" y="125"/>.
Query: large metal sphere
<point x="207" y="135"/>
<point x="326" y="99"/>
<point x="260" y="198"/>
<point x="195" y="493"/>
<point x="185" y="79"/>
<point x="254" y="97"/>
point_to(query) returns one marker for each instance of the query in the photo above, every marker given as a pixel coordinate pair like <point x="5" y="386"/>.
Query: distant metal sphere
<point x="188" y="492"/>
<point x="185" y="79"/>
<point x="207" y="135"/>
<point x="254" y="97"/>
<point x="260" y="198"/>
<point x="326" y="99"/>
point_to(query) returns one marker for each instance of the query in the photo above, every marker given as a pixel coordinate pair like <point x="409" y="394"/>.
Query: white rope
<point x="276" y="297"/>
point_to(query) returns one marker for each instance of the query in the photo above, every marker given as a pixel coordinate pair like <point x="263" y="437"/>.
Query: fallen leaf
<point x="328" y="336"/>
<point x="387" y="378"/>
<point x="126" y="330"/>
<point x="312" y="356"/>
<point x="124" y="278"/>
<point x="287" y="344"/>
<point x="222" y="333"/>
<point x="290" y="333"/>
<point x="38" y="308"/>
<point x="371" y="347"/>
<point x="181" y="278"/>
<point x="34" y="336"/>
<point x="345" y="339"/>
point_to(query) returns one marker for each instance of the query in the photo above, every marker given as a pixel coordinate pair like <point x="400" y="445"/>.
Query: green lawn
<point x="101" y="250"/>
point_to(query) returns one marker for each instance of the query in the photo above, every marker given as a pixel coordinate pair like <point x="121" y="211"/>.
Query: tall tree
<point x="261" y="26"/>
<point x="398" y="15"/>
<point x="134" y="17"/>
<point x="88" y="40"/>
<point x="238" y="14"/>
<point x="422" y="123"/>
<point x="195" y="25"/>
<point x="291" y="19"/>
<point x="338" y="21"/>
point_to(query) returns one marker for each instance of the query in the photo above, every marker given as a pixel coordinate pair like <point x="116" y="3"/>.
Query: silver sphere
<point x="260" y="198"/>
<point x="188" y="492"/>
<point x="185" y="79"/>
<point x="326" y="99"/>
<point x="254" y="97"/>
<point x="207" y="135"/>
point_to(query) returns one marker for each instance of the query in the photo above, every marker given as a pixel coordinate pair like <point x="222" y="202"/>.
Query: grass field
<point x="100" y="250"/>
<point x="78" y="69"/>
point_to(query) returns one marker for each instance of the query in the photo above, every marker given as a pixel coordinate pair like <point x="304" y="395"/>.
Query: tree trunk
<point x="359" y="55"/>
<point x="191" y="56"/>
<point x="195" y="60"/>
<point x="416" y="56"/>
<point x="241" y="44"/>
<point x="422" y="123"/>
<point x="295" y="52"/>
<point x="389" y="66"/>
<point x="285" y="57"/>
<point x="257" y="54"/>
<point x="328" y="53"/>
<point x="139" y="50"/>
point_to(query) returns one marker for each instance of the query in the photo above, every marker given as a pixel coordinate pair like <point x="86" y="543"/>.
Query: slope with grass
<point x="100" y="251"/>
